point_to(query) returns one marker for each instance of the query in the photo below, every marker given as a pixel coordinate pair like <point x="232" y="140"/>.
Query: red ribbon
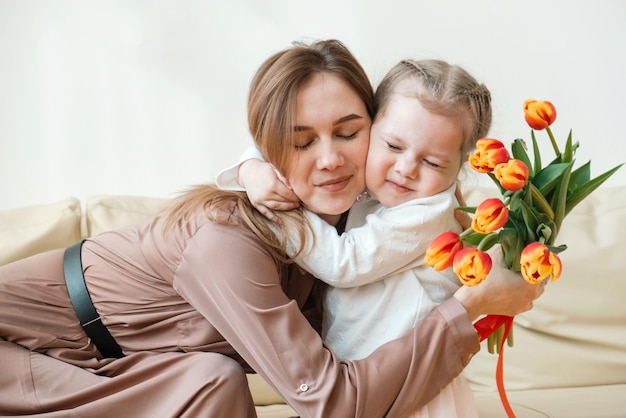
<point x="485" y="327"/>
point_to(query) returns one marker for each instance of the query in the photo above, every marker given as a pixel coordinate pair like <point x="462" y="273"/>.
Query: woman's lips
<point x="335" y="184"/>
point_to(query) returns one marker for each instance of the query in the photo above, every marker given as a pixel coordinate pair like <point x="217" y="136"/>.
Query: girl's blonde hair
<point x="443" y="89"/>
<point x="271" y="117"/>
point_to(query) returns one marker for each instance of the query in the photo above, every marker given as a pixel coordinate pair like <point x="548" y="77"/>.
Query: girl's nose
<point x="407" y="167"/>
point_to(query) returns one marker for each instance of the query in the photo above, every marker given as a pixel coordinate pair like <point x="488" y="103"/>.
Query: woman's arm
<point x="230" y="278"/>
<point x="503" y="292"/>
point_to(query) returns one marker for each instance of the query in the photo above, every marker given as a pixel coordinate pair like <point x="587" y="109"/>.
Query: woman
<point x="195" y="293"/>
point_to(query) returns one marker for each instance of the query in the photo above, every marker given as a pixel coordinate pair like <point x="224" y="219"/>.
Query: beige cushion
<point x="574" y="402"/>
<point x="269" y="404"/>
<point x="275" y="411"/>
<point x="31" y="230"/>
<point x="576" y="333"/>
<point x="264" y="394"/>
<point x="104" y="213"/>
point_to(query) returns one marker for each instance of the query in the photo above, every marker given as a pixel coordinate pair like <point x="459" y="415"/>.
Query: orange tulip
<point x="539" y="114"/>
<point x="442" y="249"/>
<point x="512" y="175"/>
<point x="471" y="265"/>
<point x="537" y="263"/>
<point x="490" y="215"/>
<point x="489" y="153"/>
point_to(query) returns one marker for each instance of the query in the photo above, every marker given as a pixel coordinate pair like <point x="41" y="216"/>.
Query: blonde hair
<point x="209" y="198"/>
<point x="271" y="117"/>
<point x="443" y="89"/>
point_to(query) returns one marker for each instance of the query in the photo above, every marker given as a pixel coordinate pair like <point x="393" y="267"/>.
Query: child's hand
<point x="266" y="188"/>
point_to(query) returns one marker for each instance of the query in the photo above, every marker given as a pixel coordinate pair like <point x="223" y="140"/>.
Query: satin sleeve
<point x="229" y="277"/>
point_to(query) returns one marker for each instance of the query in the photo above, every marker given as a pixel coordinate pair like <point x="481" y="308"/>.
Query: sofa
<point x="569" y="354"/>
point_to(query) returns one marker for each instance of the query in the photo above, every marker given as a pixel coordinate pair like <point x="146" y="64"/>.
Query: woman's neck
<point x="338" y="221"/>
<point x="331" y="219"/>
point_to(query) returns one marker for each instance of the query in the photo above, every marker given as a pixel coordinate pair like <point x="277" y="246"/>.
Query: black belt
<point x="83" y="306"/>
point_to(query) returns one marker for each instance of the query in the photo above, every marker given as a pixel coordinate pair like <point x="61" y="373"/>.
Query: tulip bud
<point x="490" y="215"/>
<point x="539" y="114"/>
<point x="512" y="175"/>
<point x="442" y="249"/>
<point x="471" y="265"/>
<point x="489" y="153"/>
<point x="537" y="263"/>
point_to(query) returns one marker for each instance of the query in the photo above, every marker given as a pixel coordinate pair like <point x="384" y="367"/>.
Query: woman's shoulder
<point x="205" y="202"/>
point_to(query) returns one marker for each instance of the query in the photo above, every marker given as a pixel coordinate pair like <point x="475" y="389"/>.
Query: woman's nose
<point x="330" y="156"/>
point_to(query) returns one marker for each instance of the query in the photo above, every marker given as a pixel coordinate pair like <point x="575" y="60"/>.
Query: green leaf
<point x="539" y="202"/>
<point x="547" y="228"/>
<point x="558" y="249"/>
<point x="518" y="149"/>
<point x="536" y="153"/>
<point x="488" y="241"/>
<point x="559" y="201"/>
<point x="580" y="176"/>
<point x="530" y="220"/>
<point x="468" y="209"/>
<point x="512" y="246"/>
<point x="495" y="180"/>
<point x="545" y="232"/>
<point x="516" y="221"/>
<point x="474" y="239"/>
<point x="568" y="153"/>
<point x="515" y="199"/>
<point x="548" y="178"/>
<point x="584" y="190"/>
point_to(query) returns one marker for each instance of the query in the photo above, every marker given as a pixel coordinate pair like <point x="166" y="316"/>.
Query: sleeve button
<point x="304" y="387"/>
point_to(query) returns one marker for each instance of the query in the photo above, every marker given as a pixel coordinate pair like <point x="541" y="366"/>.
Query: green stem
<point x="494" y="179"/>
<point x="469" y="231"/>
<point x="554" y="144"/>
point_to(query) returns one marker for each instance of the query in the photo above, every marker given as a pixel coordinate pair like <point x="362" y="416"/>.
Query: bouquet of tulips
<point x="525" y="221"/>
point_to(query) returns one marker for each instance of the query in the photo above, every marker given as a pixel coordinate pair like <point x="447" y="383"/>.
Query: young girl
<point x="430" y="114"/>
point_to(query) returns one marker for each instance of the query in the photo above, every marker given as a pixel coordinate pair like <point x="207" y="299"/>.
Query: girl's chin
<point x="389" y="200"/>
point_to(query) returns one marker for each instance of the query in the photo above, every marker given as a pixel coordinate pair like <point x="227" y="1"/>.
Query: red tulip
<point x="489" y="153"/>
<point x="539" y="114"/>
<point x="512" y="175"/>
<point x="471" y="265"/>
<point x="490" y="215"/>
<point x="537" y="263"/>
<point x="441" y="251"/>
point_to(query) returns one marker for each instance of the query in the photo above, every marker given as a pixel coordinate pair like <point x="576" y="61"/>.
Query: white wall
<point x="149" y="96"/>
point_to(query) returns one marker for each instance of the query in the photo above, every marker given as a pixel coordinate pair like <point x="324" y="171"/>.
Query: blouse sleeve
<point x="229" y="277"/>
<point x="390" y="241"/>
<point x="227" y="179"/>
